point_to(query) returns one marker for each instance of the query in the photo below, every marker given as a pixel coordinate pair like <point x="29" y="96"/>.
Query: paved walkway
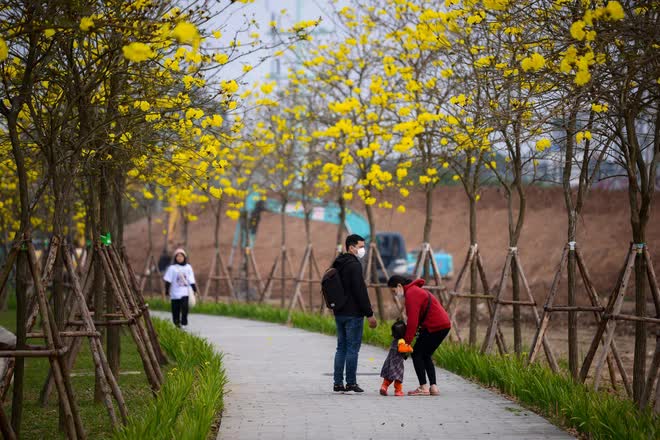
<point x="280" y="387"/>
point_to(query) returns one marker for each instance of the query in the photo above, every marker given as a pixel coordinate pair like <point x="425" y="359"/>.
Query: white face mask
<point x="399" y="294"/>
<point x="361" y="252"/>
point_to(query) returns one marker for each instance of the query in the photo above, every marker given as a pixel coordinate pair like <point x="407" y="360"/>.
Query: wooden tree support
<point x="473" y="255"/>
<point x="132" y="308"/>
<point x="78" y="306"/>
<point x="144" y="308"/>
<point x="5" y="427"/>
<point x="425" y="259"/>
<point x="308" y="261"/>
<point x="124" y="297"/>
<point x="487" y="346"/>
<point x="33" y="306"/>
<point x="150" y="270"/>
<point x="251" y="265"/>
<point x="216" y="276"/>
<point x="282" y="262"/>
<point x="596" y="308"/>
<point x="54" y="346"/>
<point x="375" y="259"/>
<point x="612" y="314"/>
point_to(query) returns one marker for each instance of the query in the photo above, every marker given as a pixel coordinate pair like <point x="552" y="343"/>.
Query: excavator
<point x="392" y="247"/>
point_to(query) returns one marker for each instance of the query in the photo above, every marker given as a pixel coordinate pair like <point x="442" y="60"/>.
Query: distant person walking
<point x="426" y="316"/>
<point x="179" y="280"/>
<point x="350" y="316"/>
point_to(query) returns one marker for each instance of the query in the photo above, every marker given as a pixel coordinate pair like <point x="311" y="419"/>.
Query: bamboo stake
<point x="494" y="321"/>
<point x="595" y="300"/>
<point x="209" y="279"/>
<point x="5" y="427"/>
<point x="72" y="421"/>
<point x="613" y="310"/>
<point x="499" y="337"/>
<point x="545" y="318"/>
<point x="115" y="289"/>
<point x="266" y="293"/>
<point x="95" y="347"/>
<point x="136" y="311"/>
<point x="9" y="263"/>
<point x="144" y="307"/>
<point x="546" y="344"/>
<point x="297" y="294"/>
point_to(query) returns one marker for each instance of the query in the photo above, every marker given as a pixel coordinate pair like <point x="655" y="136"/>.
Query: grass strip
<point x="571" y="405"/>
<point x="192" y="395"/>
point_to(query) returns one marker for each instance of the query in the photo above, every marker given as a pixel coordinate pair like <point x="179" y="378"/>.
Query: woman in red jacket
<point x="426" y="313"/>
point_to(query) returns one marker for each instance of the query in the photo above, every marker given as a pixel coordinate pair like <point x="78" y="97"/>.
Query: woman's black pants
<point x="423" y="350"/>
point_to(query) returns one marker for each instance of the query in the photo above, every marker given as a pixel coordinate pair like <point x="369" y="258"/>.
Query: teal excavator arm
<point x="327" y="212"/>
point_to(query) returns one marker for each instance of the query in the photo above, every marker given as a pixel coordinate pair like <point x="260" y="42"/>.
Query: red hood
<point x="418" y="282"/>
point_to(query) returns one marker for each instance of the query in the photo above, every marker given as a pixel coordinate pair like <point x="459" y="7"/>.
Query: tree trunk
<point x="185" y="221"/>
<point x="99" y="276"/>
<point x="342" y="221"/>
<point x="113" y="347"/>
<point x="283" y="251"/>
<point x="639" y="363"/>
<point x="473" y="273"/>
<point x="573" y="355"/>
<point x="515" y="285"/>
<point x="99" y="302"/>
<point x="374" y="265"/>
<point x="60" y="201"/>
<point x="216" y="245"/>
<point x="118" y="191"/>
<point x="428" y="223"/>
<point x="166" y="239"/>
<point x="22" y="274"/>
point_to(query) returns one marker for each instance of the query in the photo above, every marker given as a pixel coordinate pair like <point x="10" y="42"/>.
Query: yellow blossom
<point x="186" y="33"/>
<point x="137" y="52"/>
<point x="577" y="30"/>
<point x="543" y="144"/>
<point x="86" y="23"/>
<point x="4" y="50"/>
<point x="534" y="62"/>
<point x="614" y="11"/>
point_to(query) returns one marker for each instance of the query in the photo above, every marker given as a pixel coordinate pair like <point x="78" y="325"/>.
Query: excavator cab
<point x="392" y="250"/>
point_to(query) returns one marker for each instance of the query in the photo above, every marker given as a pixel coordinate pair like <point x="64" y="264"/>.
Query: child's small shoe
<point x="383" y="390"/>
<point x="399" y="393"/>
<point x="403" y="347"/>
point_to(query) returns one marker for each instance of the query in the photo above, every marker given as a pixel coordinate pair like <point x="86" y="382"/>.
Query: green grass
<point x="571" y="405"/>
<point x="186" y="407"/>
<point x="42" y="422"/>
<point x="192" y="395"/>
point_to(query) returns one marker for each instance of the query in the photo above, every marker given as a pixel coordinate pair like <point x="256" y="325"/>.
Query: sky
<point x="263" y="11"/>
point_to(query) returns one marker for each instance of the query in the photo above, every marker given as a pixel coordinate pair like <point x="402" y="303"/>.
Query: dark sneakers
<point x="338" y="388"/>
<point x="354" y="387"/>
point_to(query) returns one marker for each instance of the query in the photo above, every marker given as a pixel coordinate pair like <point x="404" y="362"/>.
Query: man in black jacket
<point x="350" y="317"/>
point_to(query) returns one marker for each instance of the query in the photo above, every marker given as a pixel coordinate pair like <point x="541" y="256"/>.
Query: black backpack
<point x="332" y="289"/>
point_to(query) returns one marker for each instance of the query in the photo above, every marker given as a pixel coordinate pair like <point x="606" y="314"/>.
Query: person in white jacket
<point x="179" y="280"/>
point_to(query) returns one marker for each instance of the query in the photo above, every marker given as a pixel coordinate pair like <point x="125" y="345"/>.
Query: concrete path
<point x="280" y="387"/>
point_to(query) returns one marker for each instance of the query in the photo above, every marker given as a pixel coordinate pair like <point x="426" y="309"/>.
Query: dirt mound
<point x="604" y="235"/>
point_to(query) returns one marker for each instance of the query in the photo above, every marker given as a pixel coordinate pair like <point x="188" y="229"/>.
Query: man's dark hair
<point x="398" y="279"/>
<point x="352" y="240"/>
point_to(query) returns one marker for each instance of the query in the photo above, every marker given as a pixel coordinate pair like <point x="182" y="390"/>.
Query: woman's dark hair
<point x="398" y="279"/>
<point x="398" y="329"/>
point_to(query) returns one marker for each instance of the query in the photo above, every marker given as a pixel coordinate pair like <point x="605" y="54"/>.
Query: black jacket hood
<point x="344" y="259"/>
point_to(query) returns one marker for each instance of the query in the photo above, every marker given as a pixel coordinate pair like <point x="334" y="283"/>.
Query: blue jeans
<point x="349" y="339"/>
